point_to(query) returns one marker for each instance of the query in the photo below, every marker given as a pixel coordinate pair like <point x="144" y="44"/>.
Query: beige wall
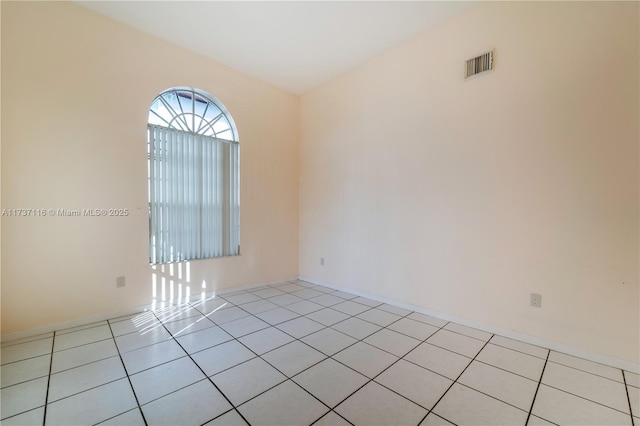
<point x="76" y="93"/>
<point x="465" y="197"/>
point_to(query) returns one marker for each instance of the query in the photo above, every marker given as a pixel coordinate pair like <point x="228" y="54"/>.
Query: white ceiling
<point x="295" y="45"/>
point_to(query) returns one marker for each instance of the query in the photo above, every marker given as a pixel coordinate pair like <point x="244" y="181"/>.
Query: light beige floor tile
<point x="164" y="379"/>
<point x="434" y="420"/>
<point x="330" y="381"/>
<point x="33" y="417"/>
<point x="130" y="418"/>
<point x="413" y="328"/>
<point x="234" y="381"/>
<point x="376" y="405"/>
<point x="286" y="404"/>
<point x="394" y="309"/>
<point x="392" y="342"/>
<point x="133" y="325"/>
<point x="329" y="341"/>
<point x="92" y="406"/>
<point x="595" y="388"/>
<point x="192" y="405"/>
<point x="520" y="346"/>
<point x="200" y="340"/>
<point x="507" y="387"/>
<point x="356" y="328"/>
<point x="331" y="419"/>
<point x="513" y="361"/>
<point x="365" y="359"/>
<point x="79" y="379"/>
<point x="186" y="326"/>
<point x="293" y="358"/>
<point x="442" y="361"/>
<point x="300" y="327"/>
<point x="277" y="315"/>
<point x="22" y="397"/>
<point x="221" y="357"/>
<point x="327" y="316"/>
<point x="588" y="366"/>
<point x="151" y="356"/>
<point x="565" y="409"/>
<point x="133" y="341"/>
<point x="457" y="343"/>
<point x="259" y="306"/>
<point x="465" y="406"/>
<point x="85" y="354"/>
<point x="82" y="337"/>
<point x="265" y="340"/>
<point x="230" y="418"/>
<point x="468" y="331"/>
<point x="632" y="379"/>
<point x="379" y="317"/>
<point x="427" y="319"/>
<point x="25" y="370"/>
<point x="634" y="400"/>
<point x="348" y="307"/>
<point x="414" y="383"/>
<point x="240" y="327"/>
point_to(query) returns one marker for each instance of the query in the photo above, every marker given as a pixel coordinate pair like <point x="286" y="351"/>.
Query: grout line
<point x="15" y="342"/>
<point x="46" y="397"/>
<point x="448" y="421"/>
<point x="626" y="388"/>
<point x="118" y="415"/>
<point x="207" y="377"/>
<point x="25" y="359"/>
<point x="586" y="399"/>
<point x="85" y="364"/>
<point x="492" y="397"/>
<point x="395" y="362"/>
<point x="465" y="335"/>
<point x="83" y="327"/>
<point x="589" y="372"/>
<point x="81" y="345"/>
<point x="517" y="350"/>
<point x="385" y="369"/>
<point x="193" y="304"/>
<point x="427" y="368"/>
<point x="326" y="414"/>
<point x="27" y="381"/>
<point x="456" y="381"/>
<point x="87" y="390"/>
<point x="507" y="371"/>
<point x="537" y="388"/>
<point x="127" y="374"/>
<point x="295" y="338"/>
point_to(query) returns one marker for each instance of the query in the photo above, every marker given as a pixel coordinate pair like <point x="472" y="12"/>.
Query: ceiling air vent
<point x="479" y="64"/>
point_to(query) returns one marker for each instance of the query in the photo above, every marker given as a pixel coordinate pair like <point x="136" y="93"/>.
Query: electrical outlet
<point x="536" y="300"/>
<point x="120" y="282"/>
<point x="322" y="261"/>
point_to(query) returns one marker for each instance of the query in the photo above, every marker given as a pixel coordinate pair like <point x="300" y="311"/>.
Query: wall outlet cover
<point x="536" y="300"/>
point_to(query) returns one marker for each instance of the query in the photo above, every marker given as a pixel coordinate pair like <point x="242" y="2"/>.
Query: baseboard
<point x="591" y="356"/>
<point x="23" y="334"/>
<point x="570" y="350"/>
<point x="31" y="332"/>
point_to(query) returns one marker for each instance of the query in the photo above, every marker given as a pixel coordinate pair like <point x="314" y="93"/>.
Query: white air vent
<point x="479" y="64"/>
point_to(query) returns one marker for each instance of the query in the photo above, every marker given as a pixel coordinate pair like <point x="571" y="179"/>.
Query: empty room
<point x="320" y="213"/>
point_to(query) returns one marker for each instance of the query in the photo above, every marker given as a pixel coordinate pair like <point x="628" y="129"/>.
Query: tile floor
<point x="301" y="354"/>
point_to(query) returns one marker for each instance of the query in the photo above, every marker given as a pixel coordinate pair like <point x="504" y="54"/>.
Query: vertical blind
<point x="194" y="203"/>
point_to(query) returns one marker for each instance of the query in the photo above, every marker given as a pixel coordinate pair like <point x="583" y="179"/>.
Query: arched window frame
<point x="193" y="163"/>
<point x="181" y="118"/>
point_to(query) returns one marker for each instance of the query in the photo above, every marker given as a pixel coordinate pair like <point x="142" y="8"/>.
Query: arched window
<point x="194" y="177"/>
